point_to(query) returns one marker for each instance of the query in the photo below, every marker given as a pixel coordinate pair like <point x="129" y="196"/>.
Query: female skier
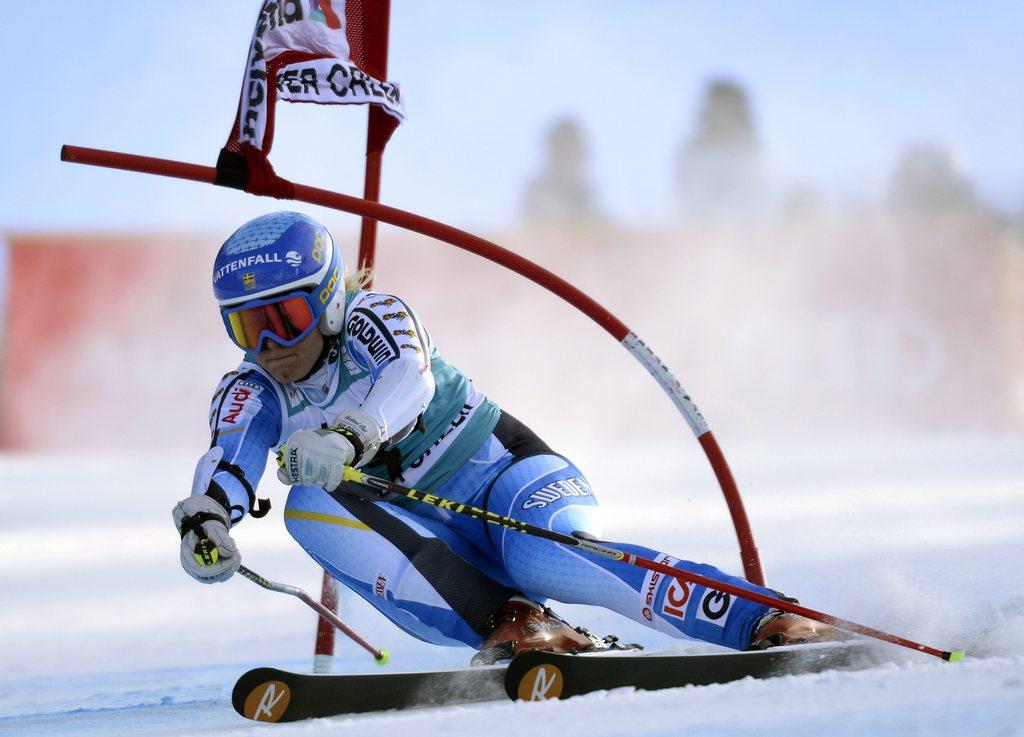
<point x="336" y="375"/>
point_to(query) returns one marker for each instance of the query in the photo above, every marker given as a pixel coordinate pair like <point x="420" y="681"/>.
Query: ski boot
<point x="782" y="628"/>
<point x="521" y="625"/>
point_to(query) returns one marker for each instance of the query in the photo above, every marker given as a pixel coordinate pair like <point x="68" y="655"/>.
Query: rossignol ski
<point x="271" y="695"/>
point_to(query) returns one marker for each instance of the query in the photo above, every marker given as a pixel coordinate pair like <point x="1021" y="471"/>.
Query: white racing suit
<point x="438" y="575"/>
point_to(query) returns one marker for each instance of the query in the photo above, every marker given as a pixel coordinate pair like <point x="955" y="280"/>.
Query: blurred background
<point x="814" y="215"/>
<point x="813" y="212"/>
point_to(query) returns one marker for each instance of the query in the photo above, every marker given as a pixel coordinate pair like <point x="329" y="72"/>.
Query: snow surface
<point x="101" y="632"/>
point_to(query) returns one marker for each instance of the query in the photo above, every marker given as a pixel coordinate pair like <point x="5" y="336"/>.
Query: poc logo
<point x="319" y="241"/>
<point x="325" y="293"/>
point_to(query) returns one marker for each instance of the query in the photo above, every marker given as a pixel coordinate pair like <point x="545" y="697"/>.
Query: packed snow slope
<point x="101" y="632"/>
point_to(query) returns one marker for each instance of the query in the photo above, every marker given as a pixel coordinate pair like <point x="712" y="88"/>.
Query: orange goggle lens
<point x="287" y="321"/>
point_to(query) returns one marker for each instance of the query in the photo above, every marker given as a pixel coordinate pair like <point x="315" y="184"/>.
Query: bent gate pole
<point x="623" y="335"/>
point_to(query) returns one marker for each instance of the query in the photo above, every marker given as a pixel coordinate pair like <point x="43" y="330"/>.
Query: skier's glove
<point x="208" y="553"/>
<point x="317" y="457"/>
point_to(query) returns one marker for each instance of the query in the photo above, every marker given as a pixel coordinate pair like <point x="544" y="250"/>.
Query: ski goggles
<point x="286" y="320"/>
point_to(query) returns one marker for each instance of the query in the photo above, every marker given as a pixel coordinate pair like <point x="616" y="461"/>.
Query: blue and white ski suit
<point x="437" y="575"/>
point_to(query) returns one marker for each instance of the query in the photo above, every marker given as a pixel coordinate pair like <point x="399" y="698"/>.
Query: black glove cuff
<point x="357" y="444"/>
<point x="257" y="507"/>
<point x="194" y="523"/>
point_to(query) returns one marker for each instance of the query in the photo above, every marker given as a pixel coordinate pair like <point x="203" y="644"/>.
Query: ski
<point x="272" y="695"/>
<point x="536" y="676"/>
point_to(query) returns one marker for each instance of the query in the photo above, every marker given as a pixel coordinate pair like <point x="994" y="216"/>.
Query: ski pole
<point x="382" y="657"/>
<point x="380" y="488"/>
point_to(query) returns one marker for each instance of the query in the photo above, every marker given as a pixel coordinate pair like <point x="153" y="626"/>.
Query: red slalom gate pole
<point x="748" y="550"/>
<point x="323" y="647"/>
<point x="346" y="203"/>
<point x="375" y="143"/>
<point x="371" y="193"/>
<point x="323" y="652"/>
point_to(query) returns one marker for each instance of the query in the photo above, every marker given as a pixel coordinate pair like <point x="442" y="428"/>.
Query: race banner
<point x="327" y="52"/>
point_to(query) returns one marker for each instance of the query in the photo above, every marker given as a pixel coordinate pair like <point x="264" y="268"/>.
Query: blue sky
<point x="838" y="90"/>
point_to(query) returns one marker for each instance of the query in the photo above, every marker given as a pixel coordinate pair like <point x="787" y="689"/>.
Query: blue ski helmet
<point x="276" y="256"/>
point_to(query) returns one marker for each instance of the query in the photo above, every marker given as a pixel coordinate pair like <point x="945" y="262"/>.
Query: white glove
<point x="208" y="553"/>
<point x="314" y="458"/>
<point x="317" y="457"/>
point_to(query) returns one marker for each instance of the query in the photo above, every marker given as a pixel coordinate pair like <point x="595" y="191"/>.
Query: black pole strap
<point x="257" y="507"/>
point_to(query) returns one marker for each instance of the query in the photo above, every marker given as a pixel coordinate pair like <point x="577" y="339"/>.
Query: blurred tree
<point x="719" y="170"/>
<point x="929" y="181"/>
<point x="803" y="201"/>
<point x="560" y="194"/>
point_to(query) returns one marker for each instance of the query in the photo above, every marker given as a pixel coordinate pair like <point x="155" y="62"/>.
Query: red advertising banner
<point x="103" y="339"/>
